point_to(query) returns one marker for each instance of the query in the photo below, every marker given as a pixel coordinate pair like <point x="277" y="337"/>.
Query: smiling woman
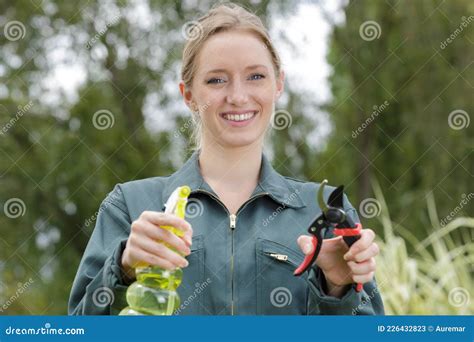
<point x="232" y="70"/>
<point x="231" y="79"/>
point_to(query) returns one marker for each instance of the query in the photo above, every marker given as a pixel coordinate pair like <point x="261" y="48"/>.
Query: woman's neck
<point x="236" y="168"/>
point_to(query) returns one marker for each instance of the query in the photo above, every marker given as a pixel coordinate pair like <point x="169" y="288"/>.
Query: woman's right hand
<point x="146" y="243"/>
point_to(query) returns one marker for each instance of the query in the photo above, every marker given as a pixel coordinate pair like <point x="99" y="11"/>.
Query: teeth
<point x="239" y="117"/>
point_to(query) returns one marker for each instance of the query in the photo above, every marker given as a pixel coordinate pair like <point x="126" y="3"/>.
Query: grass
<point x="433" y="276"/>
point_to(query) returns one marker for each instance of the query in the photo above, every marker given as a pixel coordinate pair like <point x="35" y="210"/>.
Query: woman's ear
<point x="187" y="96"/>
<point x="280" y="85"/>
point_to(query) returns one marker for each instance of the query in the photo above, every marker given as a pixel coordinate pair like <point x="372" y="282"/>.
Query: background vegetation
<point x="401" y="139"/>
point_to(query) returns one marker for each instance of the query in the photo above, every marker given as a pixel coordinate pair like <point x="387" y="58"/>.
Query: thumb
<point x="305" y="243"/>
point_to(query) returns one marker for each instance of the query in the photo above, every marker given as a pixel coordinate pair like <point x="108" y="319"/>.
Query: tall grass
<point x="433" y="276"/>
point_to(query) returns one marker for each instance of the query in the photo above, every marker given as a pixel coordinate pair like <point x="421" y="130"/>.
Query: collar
<point x="270" y="183"/>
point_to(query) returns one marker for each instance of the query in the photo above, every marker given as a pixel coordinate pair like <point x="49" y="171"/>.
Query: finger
<point x="305" y="243"/>
<point x="362" y="279"/>
<point x="164" y="219"/>
<point x="366" y="254"/>
<point x="366" y="238"/>
<point x="157" y="233"/>
<point x="142" y="256"/>
<point x="362" y="267"/>
<point x="160" y="250"/>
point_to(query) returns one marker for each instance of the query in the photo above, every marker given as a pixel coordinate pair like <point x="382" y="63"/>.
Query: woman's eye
<point x="260" y="76"/>
<point x="215" y="81"/>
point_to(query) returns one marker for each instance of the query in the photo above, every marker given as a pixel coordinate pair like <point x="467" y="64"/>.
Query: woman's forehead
<point x="233" y="50"/>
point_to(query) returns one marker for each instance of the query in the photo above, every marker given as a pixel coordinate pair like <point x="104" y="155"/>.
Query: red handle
<point x="354" y="233"/>
<point x="308" y="260"/>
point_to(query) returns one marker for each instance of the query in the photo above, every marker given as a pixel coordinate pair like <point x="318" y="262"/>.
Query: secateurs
<point x="333" y="215"/>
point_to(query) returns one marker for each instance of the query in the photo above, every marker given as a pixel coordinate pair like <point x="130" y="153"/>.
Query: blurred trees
<point x="395" y="83"/>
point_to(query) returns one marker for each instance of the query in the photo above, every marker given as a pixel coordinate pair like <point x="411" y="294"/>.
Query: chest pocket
<point x="190" y="290"/>
<point x="279" y="292"/>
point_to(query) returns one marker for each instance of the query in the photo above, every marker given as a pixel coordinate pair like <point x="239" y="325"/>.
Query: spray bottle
<point x="154" y="291"/>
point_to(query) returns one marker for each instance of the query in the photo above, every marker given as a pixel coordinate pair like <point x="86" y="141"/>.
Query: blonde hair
<point x="221" y="18"/>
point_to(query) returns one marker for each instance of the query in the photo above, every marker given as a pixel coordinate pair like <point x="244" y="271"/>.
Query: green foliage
<point x="61" y="166"/>
<point x="432" y="277"/>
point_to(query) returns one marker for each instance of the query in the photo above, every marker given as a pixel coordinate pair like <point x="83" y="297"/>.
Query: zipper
<point x="281" y="257"/>
<point x="233" y="219"/>
<point x="232" y="226"/>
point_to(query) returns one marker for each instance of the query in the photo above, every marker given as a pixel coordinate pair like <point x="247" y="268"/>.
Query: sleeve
<point x="98" y="288"/>
<point x="366" y="302"/>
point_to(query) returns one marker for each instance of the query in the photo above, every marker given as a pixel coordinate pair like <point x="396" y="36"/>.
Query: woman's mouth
<point x="239" y="119"/>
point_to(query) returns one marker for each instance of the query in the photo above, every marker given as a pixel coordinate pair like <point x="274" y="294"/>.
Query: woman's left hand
<point x="342" y="266"/>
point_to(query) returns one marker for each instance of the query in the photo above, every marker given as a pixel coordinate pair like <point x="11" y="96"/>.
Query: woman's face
<point x="234" y="89"/>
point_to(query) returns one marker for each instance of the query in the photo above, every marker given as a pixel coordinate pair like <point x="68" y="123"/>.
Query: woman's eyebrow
<point x="250" y="67"/>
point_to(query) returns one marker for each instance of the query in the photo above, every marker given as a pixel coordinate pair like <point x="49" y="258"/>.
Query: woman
<point x="248" y="234"/>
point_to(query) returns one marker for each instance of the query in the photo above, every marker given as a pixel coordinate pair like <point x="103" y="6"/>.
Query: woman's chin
<point x="240" y="141"/>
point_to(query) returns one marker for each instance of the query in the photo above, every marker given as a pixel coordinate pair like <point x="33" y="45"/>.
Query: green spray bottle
<point x="154" y="291"/>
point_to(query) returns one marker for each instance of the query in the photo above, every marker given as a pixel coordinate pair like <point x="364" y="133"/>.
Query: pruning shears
<point x="333" y="215"/>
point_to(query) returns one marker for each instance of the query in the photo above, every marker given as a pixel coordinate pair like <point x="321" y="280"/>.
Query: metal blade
<point x="321" y="202"/>
<point x="336" y="198"/>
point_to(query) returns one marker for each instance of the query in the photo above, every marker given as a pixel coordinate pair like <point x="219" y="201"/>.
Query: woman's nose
<point x="238" y="94"/>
